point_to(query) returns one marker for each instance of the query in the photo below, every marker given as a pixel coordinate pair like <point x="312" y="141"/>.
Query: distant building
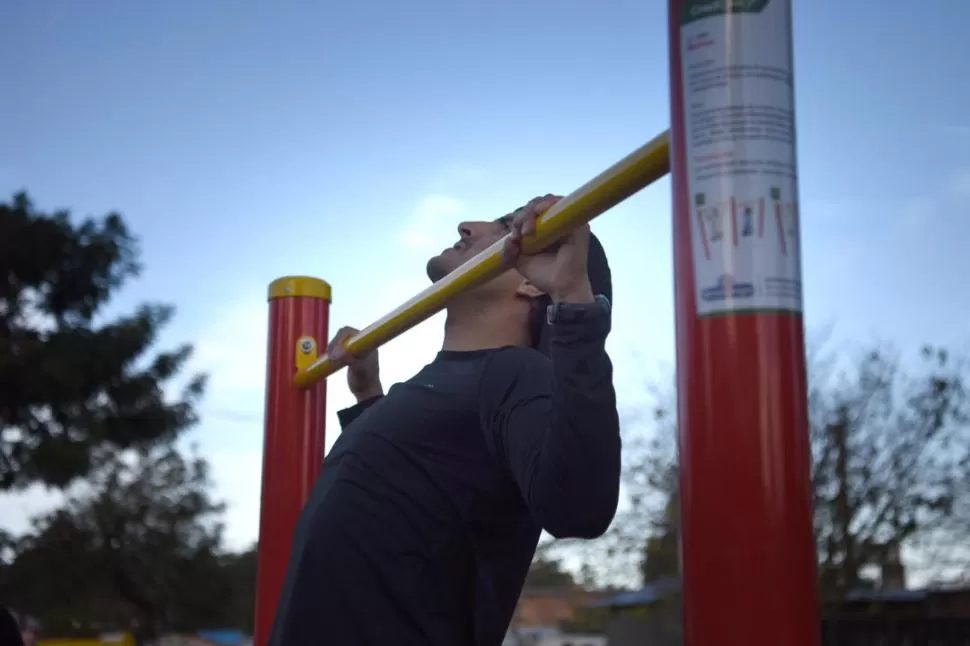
<point x="542" y="612"/>
<point x="552" y="637"/>
<point x="573" y="639"/>
<point x="652" y="615"/>
<point x="927" y="603"/>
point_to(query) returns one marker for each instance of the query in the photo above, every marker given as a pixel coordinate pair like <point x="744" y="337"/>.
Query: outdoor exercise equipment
<point x="748" y="556"/>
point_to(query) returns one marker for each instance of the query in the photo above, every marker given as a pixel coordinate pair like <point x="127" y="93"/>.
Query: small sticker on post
<point x="306" y="352"/>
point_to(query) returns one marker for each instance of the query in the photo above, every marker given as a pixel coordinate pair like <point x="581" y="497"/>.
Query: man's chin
<point x="437" y="269"/>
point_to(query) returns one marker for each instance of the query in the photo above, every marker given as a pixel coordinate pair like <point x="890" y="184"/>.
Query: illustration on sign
<point x="744" y="219"/>
<point x="786" y="216"/>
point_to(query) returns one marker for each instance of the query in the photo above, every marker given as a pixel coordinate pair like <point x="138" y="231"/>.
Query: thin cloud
<point x="417" y="239"/>
<point x="232" y="350"/>
<point x="949" y="200"/>
<point x="233" y="417"/>
<point x="433" y="216"/>
<point x="960" y="182"/>
<point x="467" y="176"/>
<point x="958" y="130"/>
<point x="237" y="475"/>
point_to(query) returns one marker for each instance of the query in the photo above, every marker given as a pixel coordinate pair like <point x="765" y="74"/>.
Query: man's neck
<point x="474" y="326"/>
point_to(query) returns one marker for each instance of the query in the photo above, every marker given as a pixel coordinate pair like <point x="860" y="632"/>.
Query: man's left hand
<point x="560" y="270"/>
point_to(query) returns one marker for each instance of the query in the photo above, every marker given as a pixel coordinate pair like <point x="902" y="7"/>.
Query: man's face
<point x="473" y="237"/>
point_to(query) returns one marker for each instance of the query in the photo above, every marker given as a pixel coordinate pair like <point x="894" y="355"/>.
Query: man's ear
<point x="528" y="290"/>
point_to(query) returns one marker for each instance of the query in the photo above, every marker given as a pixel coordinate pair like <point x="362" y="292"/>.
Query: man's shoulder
<point x="511" y="375"/>
<point x="515" y="362"/>
<point x="520" y="354"/>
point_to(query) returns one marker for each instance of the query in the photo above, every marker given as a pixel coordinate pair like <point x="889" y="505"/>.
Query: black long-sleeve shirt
<point x="425" y="518"/>
<point x="10" y="634"/>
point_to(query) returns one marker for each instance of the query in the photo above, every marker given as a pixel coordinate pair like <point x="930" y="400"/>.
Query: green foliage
<point x="139" y="550"/>
<point x="83" y="407"/>
<point x="548" y="573"/>
<point x="587" y="621"/>
<point x="72" y="385"/>
<point x="241" y="572"/>
<point x="661" y="554"/>
<point x="891" y="468"/>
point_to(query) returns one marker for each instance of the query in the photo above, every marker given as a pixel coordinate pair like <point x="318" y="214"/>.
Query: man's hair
<point x="600" y="279"/>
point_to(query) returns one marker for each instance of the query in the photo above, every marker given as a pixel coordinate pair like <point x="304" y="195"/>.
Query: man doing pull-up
<point x="424" y="520"/>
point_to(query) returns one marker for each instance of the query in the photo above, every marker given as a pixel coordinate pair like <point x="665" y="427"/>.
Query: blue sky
<point x="247" y="140"/>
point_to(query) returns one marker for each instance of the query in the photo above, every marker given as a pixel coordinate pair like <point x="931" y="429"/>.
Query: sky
<point x="243" y="141"/>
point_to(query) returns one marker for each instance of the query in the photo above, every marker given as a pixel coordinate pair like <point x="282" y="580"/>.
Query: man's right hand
<point x="363" y="373"/>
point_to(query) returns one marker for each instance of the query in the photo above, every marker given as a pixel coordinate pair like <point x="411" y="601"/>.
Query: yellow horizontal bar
<point x="637" y="170"/>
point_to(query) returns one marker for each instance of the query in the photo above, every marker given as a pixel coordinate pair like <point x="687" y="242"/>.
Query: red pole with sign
<point x="748" y="554"/>
<point x="295" y="435"/>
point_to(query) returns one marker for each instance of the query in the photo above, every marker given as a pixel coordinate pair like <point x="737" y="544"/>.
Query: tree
<point x="73" y="386"/>
<point x="891" y="473"/>
<point x="891" y="469"/>
<point x="548" y="573"/>
<point x="241" y="571"/>
<point x="140" y="550"/>
<point x="619" y="558"/>
<point x="661" y="554"/>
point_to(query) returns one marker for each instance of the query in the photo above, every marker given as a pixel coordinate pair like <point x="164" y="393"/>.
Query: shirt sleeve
<point x="553" y="422"/>
<point x="348" y="415"/>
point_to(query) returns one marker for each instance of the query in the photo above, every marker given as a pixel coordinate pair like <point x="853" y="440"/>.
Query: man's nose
<point x="465" y="230"/>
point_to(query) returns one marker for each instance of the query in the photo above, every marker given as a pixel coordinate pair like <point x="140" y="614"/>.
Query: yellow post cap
<point x="299" y="286"/>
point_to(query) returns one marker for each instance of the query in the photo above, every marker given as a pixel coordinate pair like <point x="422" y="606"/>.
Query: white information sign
<point x="740" y="154"/>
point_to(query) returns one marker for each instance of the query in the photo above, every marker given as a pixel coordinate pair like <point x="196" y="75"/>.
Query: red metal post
<point x="748" y="555"/>
<point x="294" y="440"/>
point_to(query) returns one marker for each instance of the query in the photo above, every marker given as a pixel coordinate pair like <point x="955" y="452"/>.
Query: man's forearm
<point x="371" y="392"/>
<point x="578" y="294"/>
<point x="555" y="423"/>
<point x="578" y="479"/>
